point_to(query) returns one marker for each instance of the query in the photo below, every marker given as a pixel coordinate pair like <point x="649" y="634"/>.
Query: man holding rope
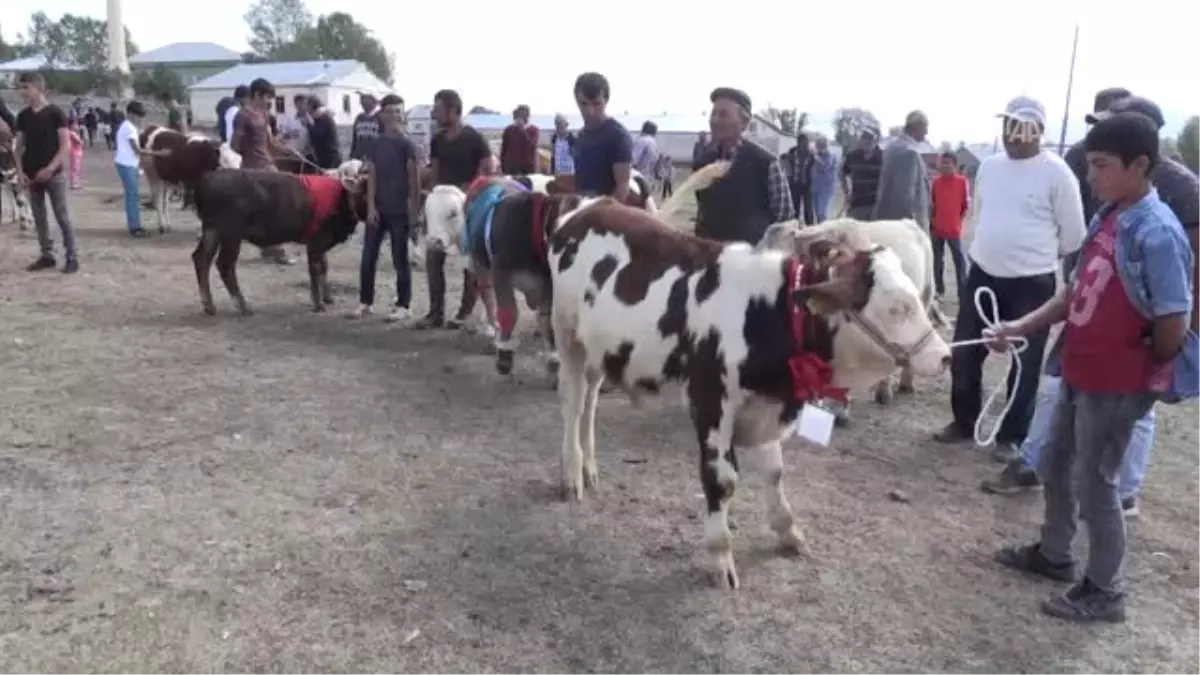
<point x="1028" y="216"/>
<point x="251" y="138"/>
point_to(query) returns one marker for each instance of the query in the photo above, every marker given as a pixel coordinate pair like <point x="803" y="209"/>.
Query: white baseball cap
<point x="1025" y="109"/>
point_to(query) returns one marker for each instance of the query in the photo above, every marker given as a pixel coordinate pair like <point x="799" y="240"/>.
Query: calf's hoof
<point x="552" y="367"/>
<point x="246" y="311"/>
<point x="591" y="477"/>
<point x="906" y="388"/>
<point x="883" y="394"/>
<point x="842" y="420"/>
<point x="210" y="310"/>
<point x="572" y="491"/>
<point x="318" y="308"/>
<point x="793" y="544"/>
<point x="726" y="573"/>
<point x="504" y="361"/>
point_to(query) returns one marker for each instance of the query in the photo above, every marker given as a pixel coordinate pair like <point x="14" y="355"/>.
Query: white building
<point x="336" y="83"/>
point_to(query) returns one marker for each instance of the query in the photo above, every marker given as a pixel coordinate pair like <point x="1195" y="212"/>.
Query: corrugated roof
<point x="186" y="52"/>
<point x="281" y="74"/>
<point x="35" y="62"/>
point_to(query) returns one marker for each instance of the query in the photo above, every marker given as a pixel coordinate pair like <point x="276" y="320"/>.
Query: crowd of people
<point x="1115" y="218"/>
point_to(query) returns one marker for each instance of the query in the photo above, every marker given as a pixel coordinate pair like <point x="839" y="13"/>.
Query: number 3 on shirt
<point x="1090" y="284"/>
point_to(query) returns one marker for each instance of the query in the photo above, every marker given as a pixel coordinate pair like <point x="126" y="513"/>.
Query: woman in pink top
<point x="76" y="157"/>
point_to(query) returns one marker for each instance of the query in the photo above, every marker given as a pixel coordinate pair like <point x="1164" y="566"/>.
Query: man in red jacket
<point x="951" y="198"/>
<point x="519" y="144"/>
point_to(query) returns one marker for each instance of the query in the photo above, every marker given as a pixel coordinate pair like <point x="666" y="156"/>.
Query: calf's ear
<point x="827" y="297"/>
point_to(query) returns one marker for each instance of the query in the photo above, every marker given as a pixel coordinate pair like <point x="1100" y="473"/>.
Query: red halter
<point x="811" y="375"/>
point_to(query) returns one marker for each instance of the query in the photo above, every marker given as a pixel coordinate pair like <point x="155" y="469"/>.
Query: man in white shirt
<point x="294" y="128"/>
<point x="127" y="159"/>
<point x="1028" y="216"/>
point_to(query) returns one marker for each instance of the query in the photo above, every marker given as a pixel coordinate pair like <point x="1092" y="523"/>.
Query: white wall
<point x="336" y="98"/>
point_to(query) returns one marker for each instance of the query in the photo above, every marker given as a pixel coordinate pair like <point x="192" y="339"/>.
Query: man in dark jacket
<point x="798" y="165"/>
<point x="366" y="127"/>
<point x="754" y="194"/>
<point x="562" y="145"/>
<point x="1077" y="160"/>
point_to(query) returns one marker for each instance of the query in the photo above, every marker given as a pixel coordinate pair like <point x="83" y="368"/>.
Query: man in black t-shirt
<point x="42" y="146"/>
<point x="457" y="155"/>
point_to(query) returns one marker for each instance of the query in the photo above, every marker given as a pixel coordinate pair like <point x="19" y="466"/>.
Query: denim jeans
<point x="395" y="228"/>
<point x="1137" y="455"/>
<point x="939" y="265"/>
<point x="56" y="190"/>
<point x="133" y="209"/>
<point x="821" y="202"/>
<point x="1017" y="296"/>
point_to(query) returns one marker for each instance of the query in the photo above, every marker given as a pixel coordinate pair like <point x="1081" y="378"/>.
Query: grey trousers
<point x="56" y="190"/>
<point x="1081" y="467"/>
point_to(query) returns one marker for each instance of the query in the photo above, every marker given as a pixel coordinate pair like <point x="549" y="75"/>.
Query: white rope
<point x="1014" y="348"/>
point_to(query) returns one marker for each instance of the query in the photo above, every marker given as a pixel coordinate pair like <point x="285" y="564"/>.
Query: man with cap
<point x="1028" y="216"/>
<point x="1179" y="189"/>
<point x="860" y="175"/>
<point x="903" y="182"/>
<point x="755" y="193"/>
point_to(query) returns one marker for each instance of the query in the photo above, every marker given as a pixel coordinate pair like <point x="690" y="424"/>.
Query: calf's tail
<point x="679" y="211"/>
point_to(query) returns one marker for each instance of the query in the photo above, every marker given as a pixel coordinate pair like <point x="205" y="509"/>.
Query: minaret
<point x="116" y="44"/>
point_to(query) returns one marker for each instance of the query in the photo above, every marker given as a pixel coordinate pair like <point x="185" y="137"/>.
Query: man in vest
<point x="755" y="193"/>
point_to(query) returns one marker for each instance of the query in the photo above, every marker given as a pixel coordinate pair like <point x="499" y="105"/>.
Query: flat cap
<point x="736" y="95"/>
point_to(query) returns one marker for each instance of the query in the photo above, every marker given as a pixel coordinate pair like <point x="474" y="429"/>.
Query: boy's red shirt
<point x="1104" y="341"/>
<point x="951" y="198"/>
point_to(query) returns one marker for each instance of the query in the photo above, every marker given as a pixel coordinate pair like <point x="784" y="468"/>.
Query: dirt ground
<point x="300" y="492"/>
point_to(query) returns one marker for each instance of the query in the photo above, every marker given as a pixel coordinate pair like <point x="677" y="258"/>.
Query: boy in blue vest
<point x="1125" y="345"/>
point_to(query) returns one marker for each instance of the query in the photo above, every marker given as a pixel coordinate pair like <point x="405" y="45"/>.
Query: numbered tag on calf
<point x="815" y="424"/>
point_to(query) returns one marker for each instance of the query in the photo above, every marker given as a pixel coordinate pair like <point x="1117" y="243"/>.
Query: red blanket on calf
<point x="325" y="192"/>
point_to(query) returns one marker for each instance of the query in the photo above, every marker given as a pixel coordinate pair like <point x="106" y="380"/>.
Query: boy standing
<point x="603" y="150"/>
<point x="42" y="146"/>
<point x="950" y="198"/>
<point x="393" y="192"/>
<point x="1126" y="330"/>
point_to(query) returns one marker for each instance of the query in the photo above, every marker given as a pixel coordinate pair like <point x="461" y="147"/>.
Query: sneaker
<point x="1130" y="506"/>
<point x="1030" y="559"/>
<point x="457" y="322"/>
<point x="429" y="321"/>
<point x="1016" y="477"/>
<point x="952" y="433"/>
<point x="139" y="233"/>
<point x="45" y="262"/>
<point x="71" y="267"/>
<point x="1085" y="603"/>
<point x="361" y="312"/>
<point x="398" y="313"/>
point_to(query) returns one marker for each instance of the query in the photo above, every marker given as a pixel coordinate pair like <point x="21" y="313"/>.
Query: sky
<point x="957" y="61"/>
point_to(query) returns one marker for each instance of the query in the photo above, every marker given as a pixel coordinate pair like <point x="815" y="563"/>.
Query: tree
<point x="945" y="147"/>
<point x="14" y="50"/>
<point x="480" y="110"/>
<point x="276" y="23"/>
<point x="1188" y="143"/>
<point x="849" y="123"/>
<point x="74" y="40"/>
<point x="283" y="31"/>
<point x="790" y="120"/>
<point x="161" y="83"/>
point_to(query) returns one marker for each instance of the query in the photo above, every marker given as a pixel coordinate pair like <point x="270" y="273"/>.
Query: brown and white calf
<point x="751" y="335"/>
<point x="904" y="237"/>
<point x="178" y="160"/>
<point x="18" y="196"/>
<point x="267" y="208"/>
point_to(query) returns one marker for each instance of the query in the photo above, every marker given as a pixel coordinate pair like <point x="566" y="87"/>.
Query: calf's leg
<point x="587" y="427"/>
<point x="779" y="511"/>
<point x="713" y="417"/>
<point x="314" y="281"/>
<point x="906" y="380"/>
<point x="572" y="392"/>
<point x="227" y="267"/>
<point x="884" y="391"/>
<point x="506" y="320"/>
<point x="202" y="258"/>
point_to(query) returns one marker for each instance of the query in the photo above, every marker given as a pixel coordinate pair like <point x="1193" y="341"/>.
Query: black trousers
<point x="1016" y="297"/>
<point x="939" y="266"/>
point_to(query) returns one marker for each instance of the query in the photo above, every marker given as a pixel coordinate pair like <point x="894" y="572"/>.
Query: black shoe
<point x="1130" y="506"/>
<point x="139" y="233"/>
<point x="429" y="321"/>
<point x="952" y="433"/>
<point x="1015" y="477"/>
<point x="458" y="321"/>
<point x="1086" y="603"/>
<point x="1030" y="559"/>
<point x="45" y="262"/>
<point x="70" y="267"/>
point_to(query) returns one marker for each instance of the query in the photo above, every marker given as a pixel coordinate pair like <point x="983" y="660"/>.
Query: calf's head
<point x="875" y="312"/>
<point x="445" y="215"/>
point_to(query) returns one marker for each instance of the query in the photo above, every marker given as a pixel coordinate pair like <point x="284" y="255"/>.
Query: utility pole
<point x="117" y="59"/>
<point x="1062" y="139"/>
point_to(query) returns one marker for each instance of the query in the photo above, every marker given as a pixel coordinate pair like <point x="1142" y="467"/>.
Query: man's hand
<point x="372" y="217"/>
<point x="44" y="174"/>
<point x="22" y="179"/>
